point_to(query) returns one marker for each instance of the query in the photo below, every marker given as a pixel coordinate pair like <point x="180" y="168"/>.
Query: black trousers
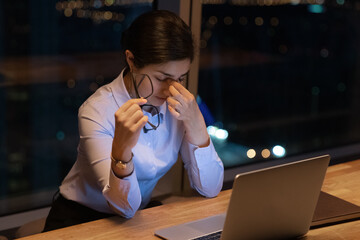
<point x="65" y="213"/>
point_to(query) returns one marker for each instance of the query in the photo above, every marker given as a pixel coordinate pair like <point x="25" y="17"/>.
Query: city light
<point x="228" y="20"/>
<point x="93" y="9"/>
<point x="212" y="130"/>
<point x="71" y="83"/>
<point x="265" y="153"/>
<point x="259" y="21"/>
<point x="218" y="133"/>
<point x="274" y="21"/>
<point x="295" y="2"/>
<point x="213" y="20"/>
<point x="273" y="2"/>
<point x="315" y="8"/>
<point x="60" y="135"/>
<point x="324" y="53"/>
<point x="315" y="90"/>
<point x="251" y="153"/>
<point x="221" y="134"/>
<point x="279" y="151"/>
<point x="212" y="2"/>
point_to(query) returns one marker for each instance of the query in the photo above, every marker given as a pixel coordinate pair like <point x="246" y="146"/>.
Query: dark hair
<point x="158" y="37"/>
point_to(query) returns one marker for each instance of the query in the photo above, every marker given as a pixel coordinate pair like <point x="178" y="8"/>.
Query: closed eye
<point x="165" y="77"/>
<point x="161" y="79"/>
<point x="182" y="79"/>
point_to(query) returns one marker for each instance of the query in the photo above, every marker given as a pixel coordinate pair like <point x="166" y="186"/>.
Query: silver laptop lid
<point x="272" y="203"/>
<point x="276" y="202"/>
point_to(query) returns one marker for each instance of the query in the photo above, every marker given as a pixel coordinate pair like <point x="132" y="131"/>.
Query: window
<point x="279" y="78"/>
<point x="53" y="55"/>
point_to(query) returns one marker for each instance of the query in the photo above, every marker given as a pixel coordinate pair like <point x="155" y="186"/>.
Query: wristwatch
<point x="121" y="164"/>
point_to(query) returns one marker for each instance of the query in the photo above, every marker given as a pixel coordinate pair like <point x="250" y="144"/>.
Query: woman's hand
<point x="129" y="120"/>
<point x="183" y="106"/>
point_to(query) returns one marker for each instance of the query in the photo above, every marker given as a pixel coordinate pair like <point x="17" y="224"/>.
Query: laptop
<point x="271" y="203"/>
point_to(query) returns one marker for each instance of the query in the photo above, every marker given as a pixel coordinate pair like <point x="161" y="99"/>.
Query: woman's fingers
<point x="130" y="115"/>
<point x="172" y="110"/>
<point x="131" y="102"/>
<point x="179" y="87"/>
<point x="176" y="105"/>
<point x="176" y="94"/>
<point x="140" y="123"/>
<point x="128" y="109"/>
<point x="129" y="120"/>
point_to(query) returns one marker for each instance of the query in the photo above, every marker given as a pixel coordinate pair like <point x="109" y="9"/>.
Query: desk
<point x="341" y="180"/>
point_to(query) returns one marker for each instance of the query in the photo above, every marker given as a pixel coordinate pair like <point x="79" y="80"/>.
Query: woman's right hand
<point x="129" y="120"/>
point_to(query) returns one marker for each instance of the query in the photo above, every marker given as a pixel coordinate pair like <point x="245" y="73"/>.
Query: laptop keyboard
<point x="211" y="236"/>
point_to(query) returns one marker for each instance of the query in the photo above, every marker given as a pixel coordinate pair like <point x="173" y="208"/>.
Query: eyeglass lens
<point x="144" y="88"/>
<point x="144" y="85"/>
<point x="153" y="122"/>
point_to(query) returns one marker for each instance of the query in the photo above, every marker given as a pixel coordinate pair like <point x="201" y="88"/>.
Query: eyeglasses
<point x="144" y="88"/>
<point x="146" y="83"/>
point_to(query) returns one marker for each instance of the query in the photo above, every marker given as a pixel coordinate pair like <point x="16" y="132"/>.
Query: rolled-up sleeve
<point x="204" y="167"/>
<point x="122" y="195"/>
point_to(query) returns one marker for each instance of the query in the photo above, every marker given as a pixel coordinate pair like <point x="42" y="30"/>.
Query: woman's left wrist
<point x="198" y="139"/>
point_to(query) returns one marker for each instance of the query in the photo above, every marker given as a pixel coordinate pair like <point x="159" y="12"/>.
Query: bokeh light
<point x="251" y="153"/>
<point x="279" y="151"/>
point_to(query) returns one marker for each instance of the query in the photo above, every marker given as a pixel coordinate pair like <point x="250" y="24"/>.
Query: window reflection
<point x="281" y="77"/>
<point x="53" y="55"/>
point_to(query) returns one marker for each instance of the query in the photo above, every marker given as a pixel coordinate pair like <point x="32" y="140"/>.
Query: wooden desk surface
<point x="341" y="180"/>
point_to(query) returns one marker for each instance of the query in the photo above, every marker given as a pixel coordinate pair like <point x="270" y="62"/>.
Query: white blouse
<point x="91" y="181"/>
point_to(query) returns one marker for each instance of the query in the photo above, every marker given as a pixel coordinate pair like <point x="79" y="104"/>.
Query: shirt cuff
<point x="115" y="181"/>
<point x="203" y="154"/>
<point x="123" y="194"/>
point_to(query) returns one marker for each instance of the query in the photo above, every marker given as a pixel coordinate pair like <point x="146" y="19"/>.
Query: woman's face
<point x="161" y="76"/>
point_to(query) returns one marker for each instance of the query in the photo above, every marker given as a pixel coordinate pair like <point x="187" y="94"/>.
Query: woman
<point x="132" y="130"/>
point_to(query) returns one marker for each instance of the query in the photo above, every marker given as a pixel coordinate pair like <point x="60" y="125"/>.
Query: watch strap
<point x="121" y="164"/>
